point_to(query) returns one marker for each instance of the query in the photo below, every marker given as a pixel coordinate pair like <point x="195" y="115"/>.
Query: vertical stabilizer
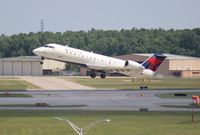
<point x="154" y="61"/>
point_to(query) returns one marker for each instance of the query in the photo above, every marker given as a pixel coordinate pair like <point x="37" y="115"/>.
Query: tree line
<point x="107" y="42"/>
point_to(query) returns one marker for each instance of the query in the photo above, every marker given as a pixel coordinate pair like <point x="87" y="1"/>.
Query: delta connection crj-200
<point x="100" y="63"/>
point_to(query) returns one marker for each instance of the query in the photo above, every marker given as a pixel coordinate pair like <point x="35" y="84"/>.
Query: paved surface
<point x="99" y="100"/>
<point x="53" y="83"/>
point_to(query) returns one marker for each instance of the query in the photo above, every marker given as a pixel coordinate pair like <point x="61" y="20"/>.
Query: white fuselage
<point x="91" y="60"/>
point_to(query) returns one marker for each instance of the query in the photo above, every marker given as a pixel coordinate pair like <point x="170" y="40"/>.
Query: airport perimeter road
<point x="53" y="83"/>
<point x="99" y="100"/>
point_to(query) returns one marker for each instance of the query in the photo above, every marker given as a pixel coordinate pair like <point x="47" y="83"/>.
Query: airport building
<point x="21" y="66"/>
<point x="174" y="65"/>
<point x="52" y="67"/>
<point x="30" y="66"/>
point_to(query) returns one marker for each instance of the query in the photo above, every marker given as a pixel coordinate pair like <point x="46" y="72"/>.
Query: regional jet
<point x="97" y="63"/>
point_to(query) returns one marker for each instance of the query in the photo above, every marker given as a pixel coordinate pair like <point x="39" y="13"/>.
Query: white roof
<point x="22" y="58"/>
<point x="169" y="56"/>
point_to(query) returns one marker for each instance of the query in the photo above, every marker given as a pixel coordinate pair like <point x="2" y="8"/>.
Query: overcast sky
<point x="23" y="16"/>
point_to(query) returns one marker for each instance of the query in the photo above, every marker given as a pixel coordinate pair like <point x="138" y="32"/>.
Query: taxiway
<point x="110" y="100"/>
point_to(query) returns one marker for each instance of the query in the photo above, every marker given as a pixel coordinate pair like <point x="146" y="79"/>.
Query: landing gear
<point x="93" y="75"/>
<point x="42" y="58"/>
<point x="103" y="75"/>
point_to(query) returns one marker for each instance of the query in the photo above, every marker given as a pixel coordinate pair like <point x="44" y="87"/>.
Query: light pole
<point x="81" y="131"/>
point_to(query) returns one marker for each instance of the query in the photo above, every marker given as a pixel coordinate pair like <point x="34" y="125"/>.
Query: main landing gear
<point x="103" y="75"/>
<point x="93" y="75"/>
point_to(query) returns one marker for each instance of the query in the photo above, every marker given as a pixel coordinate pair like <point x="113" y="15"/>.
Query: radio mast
<point x="42" y="25"/>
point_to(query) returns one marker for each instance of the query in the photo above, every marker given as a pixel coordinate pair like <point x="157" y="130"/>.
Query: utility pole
<point x="42" y="40"/>
<point x="195" y="101"/>
<point x="42" y="25"/>
<point x="193" y="112"/>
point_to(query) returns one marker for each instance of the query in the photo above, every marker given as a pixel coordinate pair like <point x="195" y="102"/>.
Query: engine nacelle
<point x="131" y="64"/>
<point x="148" y="72"/>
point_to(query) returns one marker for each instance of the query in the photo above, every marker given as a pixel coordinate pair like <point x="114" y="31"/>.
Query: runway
<point x="109" y="100"/>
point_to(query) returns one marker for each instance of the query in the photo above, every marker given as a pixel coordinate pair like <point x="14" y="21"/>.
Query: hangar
<point x="52" y="67"/>
<point x="30" y="66"/>
<point x="174" y="65"/>
<point x="22" y="66"/>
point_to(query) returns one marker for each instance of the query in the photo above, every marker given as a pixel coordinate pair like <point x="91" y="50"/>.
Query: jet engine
<point x="131" y="64"/>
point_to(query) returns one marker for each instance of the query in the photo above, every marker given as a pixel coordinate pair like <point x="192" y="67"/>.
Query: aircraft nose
<point x="35" y="51"/>
<point x="38" y="51"/>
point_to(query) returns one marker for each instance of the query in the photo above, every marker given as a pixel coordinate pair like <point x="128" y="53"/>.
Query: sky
<point x="24" y="16"/>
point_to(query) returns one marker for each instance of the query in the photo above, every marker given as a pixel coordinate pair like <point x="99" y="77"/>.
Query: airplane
<point x="97" y="63"/>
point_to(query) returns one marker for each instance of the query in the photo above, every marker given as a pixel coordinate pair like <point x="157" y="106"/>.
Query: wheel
<point x="103" y="75"/>
<point x="92" y="75"/>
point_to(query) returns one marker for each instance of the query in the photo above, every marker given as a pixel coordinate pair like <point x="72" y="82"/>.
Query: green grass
<point x="15" y="95"/>
<point x="6" y="78"/>
<point x="197" y="106"/>
<point x="35" y="122"/>
<point x="9" y="83"/>
<point x="35" y="105"/>
<point x="131" y="83"/>
<point x="171" y="95"/>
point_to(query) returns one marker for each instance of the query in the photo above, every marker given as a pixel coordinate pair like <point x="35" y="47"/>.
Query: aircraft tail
<point x="154" y="61"/>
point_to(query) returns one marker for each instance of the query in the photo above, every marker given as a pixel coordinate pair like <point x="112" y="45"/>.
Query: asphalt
<point x="109" y="100"/>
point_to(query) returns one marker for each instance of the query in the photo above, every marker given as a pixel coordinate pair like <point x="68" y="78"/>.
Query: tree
<point x="109" y="42"/>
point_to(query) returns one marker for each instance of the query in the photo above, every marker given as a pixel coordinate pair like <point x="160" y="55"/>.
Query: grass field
<point x="172" y="96"/>
<point x="14" y="95"/>
<point x="13" y="83"/>
<point x="122" y="123"/>
<point x="131" y="83"/>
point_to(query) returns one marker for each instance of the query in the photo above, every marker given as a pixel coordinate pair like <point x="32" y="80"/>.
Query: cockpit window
<point x="48" y="46"/>
<point x="51" y="47"/>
